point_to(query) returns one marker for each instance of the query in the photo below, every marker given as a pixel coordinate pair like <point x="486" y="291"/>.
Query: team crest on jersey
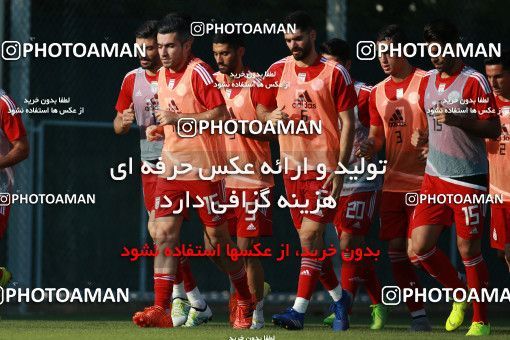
<point x="154" y="87"/>
<point x="157" y="202"/>
<point x="303" y="100"/>
<point x="505" y="111"/>
<point x="397" y="118"/>
<point x="228" y="93"/>
<point x="171" y="84"/>
<point x="494" y="235"/>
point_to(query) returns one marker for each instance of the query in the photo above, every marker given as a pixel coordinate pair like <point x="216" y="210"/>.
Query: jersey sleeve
<point x="125" y="97"/>
<point x="11" y="124"/>
<point x="375" y="117"/>
<point x="343" y="91"/>
<point x="421" y="92"/>
<point x="477" y="87"/>
<point x="204" y="85"/>
<point x="267" y="96"/>
<point x="363" y="105"/>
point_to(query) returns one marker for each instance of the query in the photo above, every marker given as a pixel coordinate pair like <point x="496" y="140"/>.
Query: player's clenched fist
<point x="154" y="133"/>
<point x="419" y="138"/>
<point x="442" y="116"/>
<point x="277" y="115"/>
<point x="166" y="117"/>
<point x="366" y="149"/>
<point x="128" y="116"/>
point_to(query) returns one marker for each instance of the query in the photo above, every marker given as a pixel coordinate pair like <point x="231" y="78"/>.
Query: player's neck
<point x="151" y="72"/>
<point x="236" y="71"/>
<point x="309" y="60"/>
<point x="181" y="65"/>
<point x="402" y="74"/>
<point x="504" y="98"/>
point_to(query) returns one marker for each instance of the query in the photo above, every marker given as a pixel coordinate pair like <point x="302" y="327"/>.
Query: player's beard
<point x="303" y="52"/>
<point x="148" y="65"/>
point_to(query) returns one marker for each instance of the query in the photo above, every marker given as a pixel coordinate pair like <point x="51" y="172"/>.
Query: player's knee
<point x="468" y="248"/>
<point x="419" y="247"/>
<point x="166" y="237"/>
<point x="310" y="236"/>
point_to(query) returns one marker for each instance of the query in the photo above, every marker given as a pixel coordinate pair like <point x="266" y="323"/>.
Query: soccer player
<point x="456" y="164"/>
<point x="137" y="101"/>
<point x="14" y="148"/>
<point x="359" y="200"/>
<point x="311" y="88"/>
<point x="187" y="89"/>
<point x="228" y="50"/>
<point x="395" y="114"/>
<point x="498" y="74"/>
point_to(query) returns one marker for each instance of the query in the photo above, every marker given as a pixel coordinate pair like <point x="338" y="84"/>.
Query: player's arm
<point x="376" y="138"/>
<point x="123" y="121"/>
<point x="346" y="100"/>
<point x="125" y="110"/>
<point x="18" y="153"/>
<point x="488" y="128"/>
<point x="346" y="136"/>
<point x="168" y="117"/>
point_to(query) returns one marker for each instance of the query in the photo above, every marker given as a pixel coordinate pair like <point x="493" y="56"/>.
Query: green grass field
<point x="123" y="330"/>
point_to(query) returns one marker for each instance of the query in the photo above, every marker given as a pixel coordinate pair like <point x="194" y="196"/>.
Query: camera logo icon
<point x="366" y="50"/>
<point x="411" y="199"/>
<point x="187" y="127"/>
<point x="197" y="28"/>
<point x="11" y="50"/>
<point x="391" y="295"/>
<point x="5" y="199"/>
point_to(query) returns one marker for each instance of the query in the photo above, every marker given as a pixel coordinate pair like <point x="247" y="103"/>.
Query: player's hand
<point x="166" y="117"/>
<point x="424" y="152"/>
<point x="419" y="138"/>
<point x="443" y="117"/>
<point x="154" y="133"/>
<point x="366" y="149"/>
<point x="337" y="182"/>
<point x="277" y="115"/>
<point x="128" y="116"/>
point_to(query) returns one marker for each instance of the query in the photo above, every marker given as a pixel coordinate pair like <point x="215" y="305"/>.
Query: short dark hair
<point x="338" y="48"/>
<point x="392" y="32"/>
<point x="441" y="31"/>
<point x="179" y="23"/>
<point x="301" y="20"/>
<point x="147" y="30"/>
<point x="503" y="60"/>
<point x="233" y="40"/>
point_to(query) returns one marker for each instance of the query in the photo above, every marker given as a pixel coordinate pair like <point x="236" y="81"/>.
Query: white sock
<point x="178" y="291"/>
<point x="258" y="313"/>
<point x="336" y="293"/>
<point x="196" y="299"/>
<point x="300" y="305"/>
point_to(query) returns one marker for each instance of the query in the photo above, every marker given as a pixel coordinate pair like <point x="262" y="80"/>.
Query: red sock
<point x="163" y="284"/>
<point x="405" y="277"/>
<point x="351" y="273"/>
<point x="477" y="277"/>
<point x="438" y="265"/>
<point x="240" y="281"/>
<point x="308" y="277"/>
<point x="187" y="276"/>
<point x="328" y="276"/>
<point x="371" y="281"/>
